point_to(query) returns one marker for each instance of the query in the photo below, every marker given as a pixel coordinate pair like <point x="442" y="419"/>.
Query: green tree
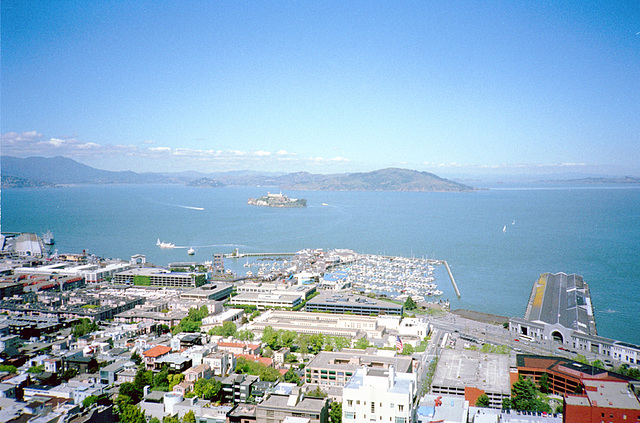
<point x="335" y="412"/>
<point x="189" y="417"/>
<point x="174" y="380"/>
<point x="154" y="420"/>
<point x="483" y="401"/>
<point x="130" y="391"/>
<point x="142" y="379"/>
<point x="286" y="338"/>
<point x="524" y="396"/>
<point x="245" y="335"/>
<point x="270" y="337"/>
<point x="407" y="349"/>
<point x="8" y="368"/>
<point x="170" y="419"/>
<point x="316" y="341"/>
<point x="543" y="383"/>
<point x="135" y="357"/>
<point x="83" y="327"/>
<point x="362" y="343"/>
<point x="36" y="369"/>
<point x="227" y="329"/>
<point x="317" y="392"/>
<point x="89" y="401"/>
<point x="68" y="374"/>
<point x="291" y="377"/>
<point x="132" y="414"/>
<point x="409" y="304"/>
<point x="161" y="379"/>
<point x="207" y="389"/>
<point x="506" y="403"/>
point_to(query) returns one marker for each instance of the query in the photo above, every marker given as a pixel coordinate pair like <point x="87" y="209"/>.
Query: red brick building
<point x="602" y="402"/>
<point x="565" y="376"/>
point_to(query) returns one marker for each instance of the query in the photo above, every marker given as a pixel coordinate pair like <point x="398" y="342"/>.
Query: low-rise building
<point x="221" y="363"/>
<point x="151" y="355"/>
<point x="470" y="374"/>
<point x="353" y="304"/>
<point x="380" y="395"/>
<point x="348" y="326"/>
<point x="606" y="401"/>
<point x="152" y="276"/>
<point x="278" y="407"/>
<point x="336" y="368"/>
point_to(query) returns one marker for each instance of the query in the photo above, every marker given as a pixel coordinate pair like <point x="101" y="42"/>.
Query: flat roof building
<point x="348" y="326"/>
<point x="470" y="373"/>
<point x="336" y="368"/>
<point x="354" y="304"/>
<point x="211" y="291"/>
<point x="602" y="401"/>
<point x="151" y="276"/>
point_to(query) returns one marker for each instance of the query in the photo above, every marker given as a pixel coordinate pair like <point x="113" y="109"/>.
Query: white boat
<point x="47" y="238"/>
<point x="504" y="229"/>
<point x="191" y="251"/>
<point x="165" y="244"/>
<point x="324" y="204"/>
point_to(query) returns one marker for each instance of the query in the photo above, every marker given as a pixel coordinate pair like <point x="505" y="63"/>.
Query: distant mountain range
<point x="40" y="171"/>
<point x="46" y="172"/>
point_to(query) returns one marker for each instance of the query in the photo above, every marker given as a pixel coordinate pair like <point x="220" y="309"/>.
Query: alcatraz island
<point x="277" y="200"/>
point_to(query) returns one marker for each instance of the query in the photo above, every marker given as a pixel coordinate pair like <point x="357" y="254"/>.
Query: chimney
<point x="392" y="376"/>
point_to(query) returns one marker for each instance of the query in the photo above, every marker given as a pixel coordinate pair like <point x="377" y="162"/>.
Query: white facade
<point x="376" y="395"/>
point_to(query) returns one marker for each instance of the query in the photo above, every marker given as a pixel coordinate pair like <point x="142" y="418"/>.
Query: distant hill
<point x="65" y="171"/>
<point x="391" y="179"/>
<point x="61" y="170"/>
<point x="625" y="180"/>
<point x="206" y="183"/>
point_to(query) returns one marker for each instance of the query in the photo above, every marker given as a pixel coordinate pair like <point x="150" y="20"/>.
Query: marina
<point x="393" y="277"/>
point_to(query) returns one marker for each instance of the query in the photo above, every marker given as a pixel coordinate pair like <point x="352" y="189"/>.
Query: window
<point x="349" y="415"/>
<point x="401" y="420"/>
<point x="350" y="403"/>
<point x="400" y="407"/>
<point x="391" y="405"/>
<point x="373" y="407"/>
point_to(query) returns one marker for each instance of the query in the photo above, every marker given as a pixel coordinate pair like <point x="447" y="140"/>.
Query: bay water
<point x="497" y="242"/>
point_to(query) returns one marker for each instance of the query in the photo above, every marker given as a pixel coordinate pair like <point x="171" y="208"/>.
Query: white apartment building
<point x="383" y="396"/>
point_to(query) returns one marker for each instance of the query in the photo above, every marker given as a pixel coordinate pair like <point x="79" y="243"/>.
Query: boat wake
<point x="179" y="205"/>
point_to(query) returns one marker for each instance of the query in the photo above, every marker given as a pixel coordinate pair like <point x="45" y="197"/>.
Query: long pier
<point x="453" y="281"/>
<point x="240" y="255"/>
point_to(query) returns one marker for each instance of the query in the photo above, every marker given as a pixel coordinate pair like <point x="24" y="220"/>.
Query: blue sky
<point x="455" y="87"/>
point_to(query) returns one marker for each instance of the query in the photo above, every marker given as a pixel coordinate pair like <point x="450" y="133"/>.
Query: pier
<point x="236" y="254"/>
<point x="453" y="281"/>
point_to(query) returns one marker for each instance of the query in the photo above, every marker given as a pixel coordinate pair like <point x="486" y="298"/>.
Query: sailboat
<point x="504" y="229"/>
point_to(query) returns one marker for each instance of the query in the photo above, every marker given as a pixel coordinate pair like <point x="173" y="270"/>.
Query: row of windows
<point x="350" y="403"/>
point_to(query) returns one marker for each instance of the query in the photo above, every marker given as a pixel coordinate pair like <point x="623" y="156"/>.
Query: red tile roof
<point x="157" y="351"/>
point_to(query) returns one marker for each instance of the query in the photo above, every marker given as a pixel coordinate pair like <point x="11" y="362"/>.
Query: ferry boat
<point x="165" y="244"/>
<point x="191" y="251"/>
<point x="47" y="238"/>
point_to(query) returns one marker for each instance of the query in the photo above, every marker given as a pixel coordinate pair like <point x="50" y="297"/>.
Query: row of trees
<point x="304" y="343"/>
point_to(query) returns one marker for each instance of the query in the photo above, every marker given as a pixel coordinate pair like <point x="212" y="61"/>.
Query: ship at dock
<point x="277" y="200"/>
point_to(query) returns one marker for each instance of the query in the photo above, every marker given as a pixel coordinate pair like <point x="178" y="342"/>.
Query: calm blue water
<point x="592" y="232"/>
